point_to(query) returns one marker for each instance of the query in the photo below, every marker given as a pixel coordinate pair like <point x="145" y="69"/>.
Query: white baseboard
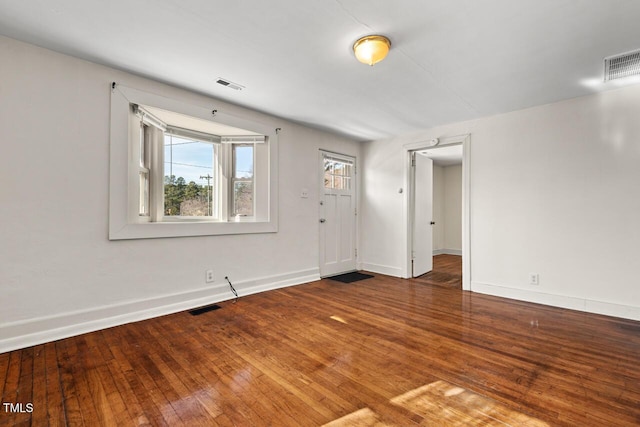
<point x="36" y="331"/>
<point x="447" y="252"/>
<point x="573" y="303"/>
<point x="381" y="269"/>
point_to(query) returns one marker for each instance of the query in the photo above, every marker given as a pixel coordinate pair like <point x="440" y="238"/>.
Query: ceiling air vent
<point x="227" y="83"/>
<point x="622" y="65"/>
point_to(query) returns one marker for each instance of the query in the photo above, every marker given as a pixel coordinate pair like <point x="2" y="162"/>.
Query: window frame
<point x="124" y="219"/>
<point x="144" y="169"/>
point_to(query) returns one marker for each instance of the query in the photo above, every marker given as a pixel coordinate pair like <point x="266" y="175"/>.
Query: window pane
<point x="242" y="180"/>
<point x="328" y="166"/>
<point x="347" y="183"/>
<point x="144" y="145"/>
<point x="144" y="194"/>
<point x="243" y="162"/>
<point x="243" y="198"/>
<point x="188" y="177"/>
<point x="328" y="180"/>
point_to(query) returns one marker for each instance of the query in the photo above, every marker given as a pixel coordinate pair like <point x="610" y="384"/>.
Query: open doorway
<point x="437" y="207"/>
<point x="437" y="215"/>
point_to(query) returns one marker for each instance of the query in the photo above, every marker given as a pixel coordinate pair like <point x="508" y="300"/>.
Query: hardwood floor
<point x="381" y="351"/>
<point x="447" y="272"/>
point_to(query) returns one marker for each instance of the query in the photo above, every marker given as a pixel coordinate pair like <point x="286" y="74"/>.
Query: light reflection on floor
<point x="339" y="319"/>
<point x="361" y="418"/>
<point x="441" y="403"/>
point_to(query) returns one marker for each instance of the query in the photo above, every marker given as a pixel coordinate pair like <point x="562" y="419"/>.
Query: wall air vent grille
<point x="227" y="83"/>
<point x="622" y="65"/>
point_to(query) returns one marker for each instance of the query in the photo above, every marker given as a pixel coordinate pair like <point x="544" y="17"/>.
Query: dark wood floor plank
<point x="95" y="409"/>
<point x="55" y="409"/>
<point x="24" y="393"/>
<point x="227" y="372"/>
<point x="10" y="393"/>
<point x="39" y="416"/>
<point x="152" y="396"/>
<point x="125" y="400"/>
<point x="127" y="379"/>
<point x="314" y="353"/>
<point x="138" y="402"/>
<point x="4" y="369"/>
<point x="293" y="382"/>
<point x="190" y="373"/>
<point x="185" y="406"/>
<point x="185" y="403"/>
<point x="77" y="403"/>
<point x="106" y="395"/>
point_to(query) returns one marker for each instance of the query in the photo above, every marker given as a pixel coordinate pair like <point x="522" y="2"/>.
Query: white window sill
<point x="152" y="230"/>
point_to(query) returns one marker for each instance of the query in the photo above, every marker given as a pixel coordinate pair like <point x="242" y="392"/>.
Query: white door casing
<point x="407" y="209"/>
<point x="422" y="236"/>
<point x="337" y="214"/>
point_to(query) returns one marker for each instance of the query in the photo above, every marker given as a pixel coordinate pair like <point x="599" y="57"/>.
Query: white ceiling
<point x="451" y="60"/>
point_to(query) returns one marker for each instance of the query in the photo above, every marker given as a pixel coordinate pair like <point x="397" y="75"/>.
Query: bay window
<point x="188" y="175"/>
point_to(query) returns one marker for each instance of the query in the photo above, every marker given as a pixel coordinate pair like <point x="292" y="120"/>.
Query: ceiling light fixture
<point x="371" y="49"/>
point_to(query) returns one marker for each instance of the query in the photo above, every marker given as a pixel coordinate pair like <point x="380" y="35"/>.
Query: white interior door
<point x="337" y="214"/>
<point x="422" y="214"/>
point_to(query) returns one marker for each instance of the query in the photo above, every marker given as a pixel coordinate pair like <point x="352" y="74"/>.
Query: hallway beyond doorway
<point x="447" y="272"/>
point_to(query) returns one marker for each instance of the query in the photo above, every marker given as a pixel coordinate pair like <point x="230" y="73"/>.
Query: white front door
<point x="337" y="214"/>
<point x="422" y="168"/>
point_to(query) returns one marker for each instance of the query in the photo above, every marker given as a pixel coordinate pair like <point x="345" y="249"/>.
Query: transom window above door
<point x="337" y="174"/>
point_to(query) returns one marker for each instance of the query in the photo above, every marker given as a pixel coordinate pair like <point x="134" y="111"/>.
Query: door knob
<point x="323" y="220"/>
<point x="432" y="223"/>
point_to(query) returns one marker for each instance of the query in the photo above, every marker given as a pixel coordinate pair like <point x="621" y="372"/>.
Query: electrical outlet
<point x="209" y="276"/>
<point x="534" y="279"/>
<point x="304" y="193"/>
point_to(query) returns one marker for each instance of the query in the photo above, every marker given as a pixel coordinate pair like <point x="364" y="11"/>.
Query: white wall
<point x="554" y="191"/>
<point x="452" y="199"/>
<point x="439" y="215"/>
<point x="447" y="209"/>
<point x="59" y="274"/>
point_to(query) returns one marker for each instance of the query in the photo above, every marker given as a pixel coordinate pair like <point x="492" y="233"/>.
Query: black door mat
<point x="354" y="276"/>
